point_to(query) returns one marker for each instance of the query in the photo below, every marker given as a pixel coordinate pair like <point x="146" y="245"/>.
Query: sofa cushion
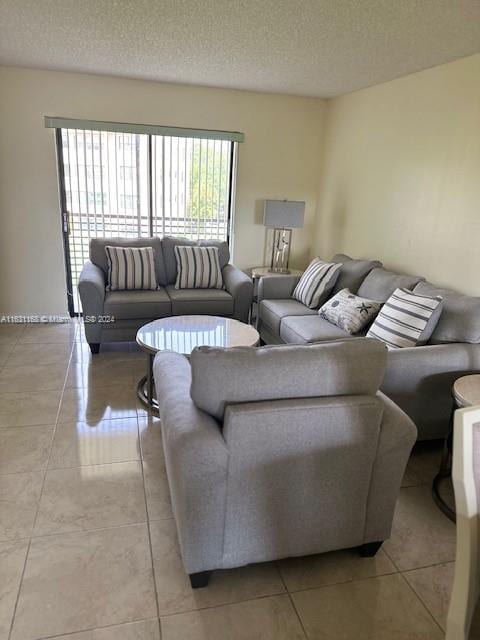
<point x="248" y="374"/>
<point x="349" y="312"/>
<point x="170" y="242"/>
<point x="406" y="319"/>
<point x="131" y="268"/>
<point x="198" y="268"/>
<point x="303" y="329"/>
<point x="380" y="284"/>
<point x="98" y="254"/>
<point x="352" y="272"/>
<point x="127" y="305"/>
<point x="212" y="302"/>
<point x="271" y="312"/>
<point x="316" y="282"/>
<point x="460" y="317"/>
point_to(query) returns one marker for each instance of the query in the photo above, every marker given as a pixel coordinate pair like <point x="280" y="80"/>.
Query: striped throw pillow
<point x="130" y="268"/>
<point x="198" y="268"/>
<point x="406" y="319"/>
<point x="316" y="282"/>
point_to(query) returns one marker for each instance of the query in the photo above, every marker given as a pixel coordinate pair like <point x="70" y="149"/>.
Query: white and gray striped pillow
<point x="316" y="282"/>
<point x="130" y="268"/>
<point x="198" y="268"/>
<point x="406" y="319"/>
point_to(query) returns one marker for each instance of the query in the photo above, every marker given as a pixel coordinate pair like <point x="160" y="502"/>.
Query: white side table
<point x="257" y="274"/>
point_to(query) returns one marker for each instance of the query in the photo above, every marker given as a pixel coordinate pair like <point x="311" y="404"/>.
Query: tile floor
<point x="88" y="547"/>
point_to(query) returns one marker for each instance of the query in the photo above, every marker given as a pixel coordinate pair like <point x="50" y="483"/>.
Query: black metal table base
<point x="146" y="388"/>
<point x="445" y="473"/>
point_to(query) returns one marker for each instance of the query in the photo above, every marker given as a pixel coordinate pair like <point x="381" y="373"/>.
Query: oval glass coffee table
<point x="182" y="334"/>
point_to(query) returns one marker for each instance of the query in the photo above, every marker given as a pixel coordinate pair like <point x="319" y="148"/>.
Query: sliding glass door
<point x="128" y="184"/>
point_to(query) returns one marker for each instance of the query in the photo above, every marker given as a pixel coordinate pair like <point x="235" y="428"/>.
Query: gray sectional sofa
<point x="132" y="309"/>
<point x="279" y="451"/>
<point x="418" y="379"/>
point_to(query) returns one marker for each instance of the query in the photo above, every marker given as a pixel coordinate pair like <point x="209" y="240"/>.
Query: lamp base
<point x="280" y="250"/>
<point x="278" y="270"/>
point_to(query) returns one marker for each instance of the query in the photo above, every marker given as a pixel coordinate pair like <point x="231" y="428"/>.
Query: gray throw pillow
<point x="349" y="312"/>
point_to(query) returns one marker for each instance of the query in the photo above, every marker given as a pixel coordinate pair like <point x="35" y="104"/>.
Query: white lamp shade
<point x="284" y="214"/>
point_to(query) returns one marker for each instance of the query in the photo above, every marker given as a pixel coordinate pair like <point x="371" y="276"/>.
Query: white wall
<point x="280" y="158"/>
<point x="400" y="179"/>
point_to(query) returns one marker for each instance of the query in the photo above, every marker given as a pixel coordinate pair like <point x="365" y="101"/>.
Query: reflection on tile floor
<point x="88" y="544"/>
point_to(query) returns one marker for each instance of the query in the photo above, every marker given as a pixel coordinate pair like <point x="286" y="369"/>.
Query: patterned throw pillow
<point x="130" y="268"/>
<point x="407" y="319"/>
<point x="198" y="268"/>
<point x="349" y="312"/>
<point x="316" y="282"/>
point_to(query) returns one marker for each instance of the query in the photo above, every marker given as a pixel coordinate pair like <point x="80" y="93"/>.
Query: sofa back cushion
<point x="460" y="318"/>
<point x="352" y="272"/>
<point x="221" y="377"/>
<point x="169" y="243"/>
<point x="98" y="254"/>
<point x="380" y="284"/>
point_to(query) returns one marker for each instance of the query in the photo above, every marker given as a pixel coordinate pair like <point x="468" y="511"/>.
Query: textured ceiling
<point x="307" y="47"/>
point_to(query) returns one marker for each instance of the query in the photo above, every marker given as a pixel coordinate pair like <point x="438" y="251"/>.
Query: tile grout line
<point x="14" y="612"/>
<point x="89" y="630"/>
<point x="430" y="614"/>
<point x="291" y="599"/>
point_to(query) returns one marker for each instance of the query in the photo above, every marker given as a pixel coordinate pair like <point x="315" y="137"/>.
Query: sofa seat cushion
<point x="380" y="284"/>
<point x="212" y="302"/>
<point x="271" y="312"/>
<point x="128" y="305"/>
<point x="460" y="317"/>
<point x="303" y="329"/>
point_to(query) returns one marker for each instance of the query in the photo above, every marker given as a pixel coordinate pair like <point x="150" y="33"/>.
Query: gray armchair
<point x="279" y="451"/>
<point x="111" y="316"/>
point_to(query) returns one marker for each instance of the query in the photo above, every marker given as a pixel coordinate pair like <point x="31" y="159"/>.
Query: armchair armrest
<point x="276" y="287"/>
<point x="240" y="286"/>
<point x="196" y="459"/>
<point x="91" y="288"/>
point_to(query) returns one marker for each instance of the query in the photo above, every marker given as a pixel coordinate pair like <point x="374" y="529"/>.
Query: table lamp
<point x="283" y="216"/>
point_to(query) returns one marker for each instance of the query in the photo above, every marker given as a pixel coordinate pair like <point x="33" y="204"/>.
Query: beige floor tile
<point x="141" y="630"/>
<point x="33" y="377"/>
<point x="265" y="619"/>
<point x="39" y="354"/>
<point x="10" y="333"/>
<point x="54" y="333"/>
<point x="19" y="496"/>
<point x="383" y="608"/>
<point x="433" y="586"/>
<point x="24" y="448"/>
<point x="79" y="581"/>
<point x="157" y="490"/>
<point x="101" y="372"/>
<point x="29" y="408"/>
<point x="12" y="560"/>
<point x="78" y="444"/>
<point x="421" y="535"/>
<point x="91" y="497"/>
<point x="5" y="352"/>
<point x="95" y="404"/>
<point x="173" y="585"/>
<point x="423" y="463"/>
<point x="332" y="568"/>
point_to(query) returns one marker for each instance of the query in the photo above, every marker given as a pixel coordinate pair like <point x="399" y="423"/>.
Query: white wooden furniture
<point x="466" y="484"/>
<point x="182" y="334"/>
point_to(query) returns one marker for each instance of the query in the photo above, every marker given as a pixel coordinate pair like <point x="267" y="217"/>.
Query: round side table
<point x="466" y="393"/>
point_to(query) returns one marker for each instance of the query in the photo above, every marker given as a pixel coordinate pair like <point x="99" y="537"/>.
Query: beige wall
<point x="401" y="175"/>
<point x="279" y="159"/>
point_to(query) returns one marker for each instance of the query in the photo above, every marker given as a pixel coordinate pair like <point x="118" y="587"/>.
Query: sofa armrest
<point x="240" y="286"/>
<point x="91" y="288"/>
<point x="396" y="439"/>
<point x="420" y="380"/>
<point x="276" y="287"/>
<point x="196" y="459"/>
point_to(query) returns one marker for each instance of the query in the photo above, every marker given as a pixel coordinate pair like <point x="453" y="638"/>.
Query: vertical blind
<point x="117" y="183"/>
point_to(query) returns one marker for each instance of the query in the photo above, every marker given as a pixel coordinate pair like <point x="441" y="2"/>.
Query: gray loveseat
<point x="274" y="452"/>
<point x="418" y="379"/>
<point x="132" y="309"/>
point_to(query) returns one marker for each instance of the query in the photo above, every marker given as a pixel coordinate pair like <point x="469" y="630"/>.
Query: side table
<point x="466" y="393"/>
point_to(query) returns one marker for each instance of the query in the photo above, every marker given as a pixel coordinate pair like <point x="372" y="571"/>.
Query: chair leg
<point x="94" y="347"/>
<point x="199" y="580"/>
<point x="369" y="549"/>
